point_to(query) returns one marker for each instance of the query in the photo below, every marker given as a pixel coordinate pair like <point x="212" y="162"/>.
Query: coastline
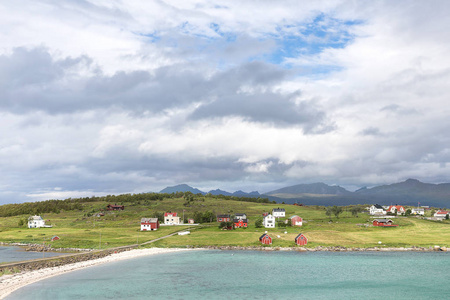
<point x="11" y="283"/>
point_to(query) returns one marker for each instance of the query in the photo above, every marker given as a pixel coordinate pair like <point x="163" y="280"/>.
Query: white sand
<point x="10" y="283"/>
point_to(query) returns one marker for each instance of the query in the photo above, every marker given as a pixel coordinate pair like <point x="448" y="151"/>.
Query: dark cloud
<point x="33" y="80"/>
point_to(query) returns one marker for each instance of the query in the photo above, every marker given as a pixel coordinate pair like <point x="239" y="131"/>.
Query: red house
<point x="296" y="221"/>
<point x="301" y="240"/>
<point x="223" y="218"/>
<point x="383" y="223"/>
<point x="265" y="239"/>
<point x="115" y="207"/>
<point x="240" y="223"/>
<point x="149" y="224"/>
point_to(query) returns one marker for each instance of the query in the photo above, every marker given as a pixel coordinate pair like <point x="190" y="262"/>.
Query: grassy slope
<point x="122" y="228"/>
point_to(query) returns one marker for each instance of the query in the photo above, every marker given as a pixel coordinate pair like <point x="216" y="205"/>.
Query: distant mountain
<point x="408" y="192"/>
<point x="219" y="192"/>
<point x="181" y="188"/>
<point x="300" y="190"/>
<point x="186" y="188"/>
<point x="244" y="194"/>
<point x="411" y="190"/>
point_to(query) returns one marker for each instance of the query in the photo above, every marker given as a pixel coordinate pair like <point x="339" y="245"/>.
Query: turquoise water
<point x="11" y="254"/>
<point x="255" y="275"/>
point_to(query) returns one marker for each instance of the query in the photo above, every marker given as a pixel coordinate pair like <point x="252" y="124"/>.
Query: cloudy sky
<point x="107" y="97"/>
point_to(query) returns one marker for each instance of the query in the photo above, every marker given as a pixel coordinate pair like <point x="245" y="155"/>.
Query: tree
<point x="20" y="223"/>
<point x="355" y="210"/>
<point x="337" y="210"/>
<point x="258" y="223"/>
<point x="329" y="212"/>
<point x="408" y="212"/>
<point x="281" y="224"/>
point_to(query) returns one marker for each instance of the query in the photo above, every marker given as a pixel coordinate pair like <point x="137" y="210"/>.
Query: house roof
<point x="383" y="220"/>
<point x="35" y="218"/>
<point x="278" y="210"/>
<point x="295" y="216"/>
<point x="149" y="220"/>
<point x="398" y="207"/>
<point x="298" y="236"/>
<point x="223" y="216"/>
<point x="263" y="236"/>
<point x="442" y="212"/>
<point x="171" y="214"/>
<point x="240" y="215"/>
<point x="378" y="206"/>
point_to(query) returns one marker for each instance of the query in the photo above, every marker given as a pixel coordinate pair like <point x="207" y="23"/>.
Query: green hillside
<point x="79" y="226"/>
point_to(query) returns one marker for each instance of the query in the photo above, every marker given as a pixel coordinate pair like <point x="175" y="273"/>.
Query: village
<point x="382" y="216"/>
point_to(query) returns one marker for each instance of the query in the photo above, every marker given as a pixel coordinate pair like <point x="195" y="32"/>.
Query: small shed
<point x="301" y="239"/>
<point x="265" y="239"/>
<point x="54" y="238"/>
<point x="191" y="221"/>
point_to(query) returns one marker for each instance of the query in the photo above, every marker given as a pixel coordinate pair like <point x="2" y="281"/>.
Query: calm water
<point x="255" y="275"/>
<point x="10" y="254"/>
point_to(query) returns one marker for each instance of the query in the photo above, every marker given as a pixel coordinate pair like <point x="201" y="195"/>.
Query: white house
<point x="396" y="209"/>
<point x="441" y="214"/>
<point x="269" y="221"/>
<point x="171" y="219"/>
<point x="376" y="210"/>
<point x="279" y="212"/>
<point x="418" y="211"/>
<point x="240" y="216"/>
<point x="36" y="222"/>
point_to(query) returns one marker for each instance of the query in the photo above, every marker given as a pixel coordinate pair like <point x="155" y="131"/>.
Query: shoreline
<point x="11" y="283"/>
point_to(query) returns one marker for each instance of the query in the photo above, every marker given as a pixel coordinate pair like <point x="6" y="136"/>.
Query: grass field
<point x="80" y="229"/>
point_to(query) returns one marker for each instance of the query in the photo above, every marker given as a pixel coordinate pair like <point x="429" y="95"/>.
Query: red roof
<point x="170" y="214"/>
<point x="442" y="212"/>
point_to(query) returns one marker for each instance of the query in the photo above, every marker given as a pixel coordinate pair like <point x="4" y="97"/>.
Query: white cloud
<point x="109" y="97"/>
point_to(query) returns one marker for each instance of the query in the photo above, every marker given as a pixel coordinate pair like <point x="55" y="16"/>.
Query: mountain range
<point x="409" y="192"/>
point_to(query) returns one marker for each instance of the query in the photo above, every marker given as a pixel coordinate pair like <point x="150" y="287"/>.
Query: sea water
<point x="12" y="254"/>
<point x="215" y="274"/>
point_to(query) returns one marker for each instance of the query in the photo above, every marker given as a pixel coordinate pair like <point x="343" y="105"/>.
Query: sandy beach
<point x="10" y="283"/>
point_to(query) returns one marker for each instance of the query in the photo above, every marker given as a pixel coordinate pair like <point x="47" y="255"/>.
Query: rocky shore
<point x="331" y="249"/>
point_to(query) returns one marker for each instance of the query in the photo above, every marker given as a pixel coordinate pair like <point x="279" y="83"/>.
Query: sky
<point x="103" y="97"/>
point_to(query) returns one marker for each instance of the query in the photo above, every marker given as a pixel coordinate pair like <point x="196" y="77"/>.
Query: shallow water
<point x="12" y="254"/>
<point x="255" y="275"/>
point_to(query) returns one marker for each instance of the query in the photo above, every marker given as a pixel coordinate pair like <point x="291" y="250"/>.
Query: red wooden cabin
<point x="149" y="224"/>
<point x="383" y="223"/>
<point x="115" y="207"/>
<point x="301" y="240"/>
<point x="265" y="239"/>
<point x="296" y="221"/>
<point x="240" y="223"/>
<point x="223" y="218"/>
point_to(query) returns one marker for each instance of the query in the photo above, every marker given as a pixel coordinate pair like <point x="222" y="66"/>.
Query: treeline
<point x="55" y="206"/>
<point x="35" y="208"/>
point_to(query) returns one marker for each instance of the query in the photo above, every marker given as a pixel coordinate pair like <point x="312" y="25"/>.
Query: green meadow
<point x="81" y="228"/>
